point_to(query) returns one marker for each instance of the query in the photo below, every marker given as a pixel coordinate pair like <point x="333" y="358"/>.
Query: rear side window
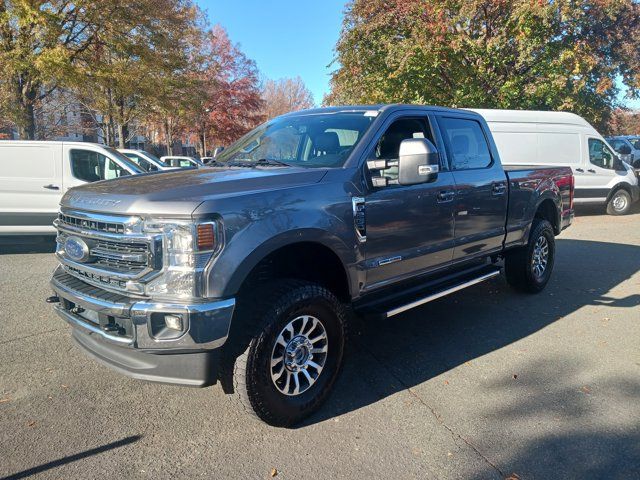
<point x="91" y="166"/>
<point x="466" y="143"/>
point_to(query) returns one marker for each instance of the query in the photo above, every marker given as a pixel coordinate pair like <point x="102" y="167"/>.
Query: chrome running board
<point x="442" y="293"/>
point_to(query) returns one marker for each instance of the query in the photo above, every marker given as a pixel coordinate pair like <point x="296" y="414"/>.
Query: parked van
<point x="34" y="175"/>
<point x="562" y="138"/>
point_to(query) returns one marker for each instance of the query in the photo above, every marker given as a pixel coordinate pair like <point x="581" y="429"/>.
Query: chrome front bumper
<point x="206" y="324"/>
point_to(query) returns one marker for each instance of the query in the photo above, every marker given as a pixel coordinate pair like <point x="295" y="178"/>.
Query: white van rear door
<point x="30" y="187"/>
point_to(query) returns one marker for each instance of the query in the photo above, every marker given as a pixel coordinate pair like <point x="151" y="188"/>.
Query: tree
<point x="136" y="65"/>
<point x="285" y="95"/>
<point x="231" y="102"/>
<point x="624" y="122"/>
<point x="559" y="55"/>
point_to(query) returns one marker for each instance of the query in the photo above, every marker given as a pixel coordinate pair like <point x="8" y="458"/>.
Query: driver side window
<point x="388" y="146"/>
<point x="600" y="155"/>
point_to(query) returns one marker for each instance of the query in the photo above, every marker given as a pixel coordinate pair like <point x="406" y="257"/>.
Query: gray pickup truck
<point x="247" y="272"/>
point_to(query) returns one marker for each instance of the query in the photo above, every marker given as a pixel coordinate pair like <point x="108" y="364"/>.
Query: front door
<point x="409" y="228"/>
<point x="593" y="181"/>
<point x="481" y="187"/>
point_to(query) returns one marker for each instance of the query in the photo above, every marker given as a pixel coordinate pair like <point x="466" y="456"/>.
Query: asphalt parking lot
<point x="486" y="383"/>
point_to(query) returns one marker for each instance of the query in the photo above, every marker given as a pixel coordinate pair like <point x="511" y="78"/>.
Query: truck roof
<point x="381" y="107"/>
<point x="531" y="116"/>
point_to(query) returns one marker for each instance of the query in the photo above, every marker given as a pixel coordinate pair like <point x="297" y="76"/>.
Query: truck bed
<point x="525" y="182"/>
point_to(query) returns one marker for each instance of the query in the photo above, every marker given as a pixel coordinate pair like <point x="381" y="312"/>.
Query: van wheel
<point x="294" y="355"/>
<point x="528" y="269"/>
<point x="619" y="203"/>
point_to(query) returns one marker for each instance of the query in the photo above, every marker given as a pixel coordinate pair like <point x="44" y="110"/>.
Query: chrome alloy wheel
<point x="540" y="256"/>
<point x="299" y="355"/>
<point x="619" y="202"/>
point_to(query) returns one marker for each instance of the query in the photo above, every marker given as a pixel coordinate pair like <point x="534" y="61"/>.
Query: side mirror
<point x="419" y="162"/>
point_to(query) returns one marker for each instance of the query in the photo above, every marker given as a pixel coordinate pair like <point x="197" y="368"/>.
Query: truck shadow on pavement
<point x="73" y="458"/>
<point x="394" y="355"/>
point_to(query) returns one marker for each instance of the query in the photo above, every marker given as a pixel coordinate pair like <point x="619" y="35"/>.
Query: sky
<point x="286" y="38"/>
<point x="289" y="38"/>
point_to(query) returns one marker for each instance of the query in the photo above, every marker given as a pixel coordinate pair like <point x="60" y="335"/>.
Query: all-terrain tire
<point x="274" y="309"/>
<point x="521" y="263"/>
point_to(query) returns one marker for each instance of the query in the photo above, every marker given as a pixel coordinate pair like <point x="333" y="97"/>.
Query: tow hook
<point x="53" y="299"/>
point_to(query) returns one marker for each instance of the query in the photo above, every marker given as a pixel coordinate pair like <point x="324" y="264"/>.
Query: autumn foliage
<point x="550" y="55"/>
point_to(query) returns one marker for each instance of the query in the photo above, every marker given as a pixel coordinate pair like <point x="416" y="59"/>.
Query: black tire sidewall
<point x="540" y="228"/>
<point x="611" y="209"/>
<point x="283" y="409"/>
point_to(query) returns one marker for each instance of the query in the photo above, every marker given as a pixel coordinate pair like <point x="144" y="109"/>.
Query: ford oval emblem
<point x="76" y="249"/>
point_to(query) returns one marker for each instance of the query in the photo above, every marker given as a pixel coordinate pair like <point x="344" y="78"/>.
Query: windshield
<point x="154" y="158"/>
<point x="124" y="160"/>
<point x="313" y="140"/>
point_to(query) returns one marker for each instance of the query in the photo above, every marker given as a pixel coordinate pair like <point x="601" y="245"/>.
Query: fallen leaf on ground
<point x="31" y="423"/>
<point x="586" y="389"/>
<point x="274" y="472"/>
<point x="446" y="382"/>
<point x="5" y="400"/>
<point x="515" y="376"/>
<point x="65" y="386"/>
<point x="513" y="476"/>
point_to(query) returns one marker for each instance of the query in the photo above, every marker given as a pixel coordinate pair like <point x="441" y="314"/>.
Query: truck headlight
<point x="187" y="249"/>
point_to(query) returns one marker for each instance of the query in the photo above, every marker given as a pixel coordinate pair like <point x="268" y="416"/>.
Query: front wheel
<point x="294" y="355"/>
<point x="619" y="203"/>
<point x="528" y="269"/>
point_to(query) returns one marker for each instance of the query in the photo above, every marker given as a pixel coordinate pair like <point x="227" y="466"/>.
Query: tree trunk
<point x="168" y="135"/>
<point x="26" y="94"/>
<point x="121" y="135"/>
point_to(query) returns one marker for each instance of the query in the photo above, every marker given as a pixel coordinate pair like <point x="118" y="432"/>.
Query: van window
<point x="466" y="143"/>
<point x="600" y="155"/>
<point x="91" y="166"/>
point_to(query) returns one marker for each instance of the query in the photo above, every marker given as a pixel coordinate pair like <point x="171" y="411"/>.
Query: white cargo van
<point x="562" y="138"/>
<point x="34" y="175"/>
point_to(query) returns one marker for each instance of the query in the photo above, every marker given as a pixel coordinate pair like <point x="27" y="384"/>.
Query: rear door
<point x="409" y="229"/>
<point x="30" y="186"/>
<point x="481" y="186"/>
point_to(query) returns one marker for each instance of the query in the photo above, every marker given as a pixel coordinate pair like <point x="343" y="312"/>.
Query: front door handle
<point x="591" y="170"/>
<point x="498" y="189"/>
<point x="51" y="186"/>
<point x="446" y="196"/>
<point x="579" y="170"/>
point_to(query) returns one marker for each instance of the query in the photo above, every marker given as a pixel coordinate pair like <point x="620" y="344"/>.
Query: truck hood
<point x="180" y="192"/>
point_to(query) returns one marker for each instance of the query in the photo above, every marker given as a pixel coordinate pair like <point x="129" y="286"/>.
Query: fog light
<point x="174" y="322"/>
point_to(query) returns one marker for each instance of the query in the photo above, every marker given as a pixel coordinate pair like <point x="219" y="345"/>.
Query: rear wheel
<point x="619" y="203"/>
<point x="529" y="268"/>
<point x="294" y="354"/>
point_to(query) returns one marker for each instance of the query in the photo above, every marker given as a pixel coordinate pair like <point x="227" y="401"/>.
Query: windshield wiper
<point x="272" y="161"/>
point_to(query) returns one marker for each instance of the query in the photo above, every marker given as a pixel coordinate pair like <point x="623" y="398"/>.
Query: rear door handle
<point x="446" y="196"/>
<point x="499" y="188"/>
<point x="579" y="170"/>
<point x="51" y="186"/>
<point x="591" y="170"/>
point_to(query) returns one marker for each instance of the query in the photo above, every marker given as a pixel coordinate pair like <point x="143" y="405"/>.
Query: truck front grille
<point x="91" y="224"/>
<point x="117" y="258"/>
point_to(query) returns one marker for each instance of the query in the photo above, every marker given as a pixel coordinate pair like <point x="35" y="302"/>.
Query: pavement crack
<point x="31" y="335"/>
<point x="436" y="415"/>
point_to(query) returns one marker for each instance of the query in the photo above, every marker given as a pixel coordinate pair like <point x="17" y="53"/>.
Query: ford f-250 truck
<point x="247" y="271"/>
